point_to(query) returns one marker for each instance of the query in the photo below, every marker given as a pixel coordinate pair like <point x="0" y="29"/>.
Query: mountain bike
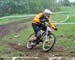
<point x="48" y="40"/>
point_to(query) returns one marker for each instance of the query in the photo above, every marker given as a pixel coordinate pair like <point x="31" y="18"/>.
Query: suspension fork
<point x="46" y="35"/>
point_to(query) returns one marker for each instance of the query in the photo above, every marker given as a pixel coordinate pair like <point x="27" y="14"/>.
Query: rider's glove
<point x="55" y="29"/>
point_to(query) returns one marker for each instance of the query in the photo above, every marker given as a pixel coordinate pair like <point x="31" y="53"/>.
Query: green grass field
<point x="9" y="19"/>
<point x="65" y="38"/>
<point x="65" y="34"/>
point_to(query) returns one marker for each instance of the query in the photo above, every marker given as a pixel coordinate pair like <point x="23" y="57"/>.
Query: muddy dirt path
<point x="13" y="27"/>
<point x="37" y="51"/>
<point x="14" y="47"/>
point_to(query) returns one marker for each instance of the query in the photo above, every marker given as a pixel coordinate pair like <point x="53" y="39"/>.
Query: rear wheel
<point x="30" y="44"/>
<point x="48" y="44"/>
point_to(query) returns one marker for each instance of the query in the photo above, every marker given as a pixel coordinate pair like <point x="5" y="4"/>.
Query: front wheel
<point x="49" y="42"/>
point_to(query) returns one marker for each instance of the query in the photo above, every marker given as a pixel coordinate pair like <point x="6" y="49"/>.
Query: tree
<point x="8" y="7"/>
<point x="66" y="2"/>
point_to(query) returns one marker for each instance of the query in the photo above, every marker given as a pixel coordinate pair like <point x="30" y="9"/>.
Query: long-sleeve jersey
<point x="40" y="18"/>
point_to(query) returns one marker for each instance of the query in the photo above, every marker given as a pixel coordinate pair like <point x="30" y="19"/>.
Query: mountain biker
<point x="38" y="23"/>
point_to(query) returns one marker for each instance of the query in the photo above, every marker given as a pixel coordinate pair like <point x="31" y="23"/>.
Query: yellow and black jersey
<point x="40" y="18"/>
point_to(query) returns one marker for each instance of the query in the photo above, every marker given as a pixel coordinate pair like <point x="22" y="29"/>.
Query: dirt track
<point x="12" y="27"/>
<point x="57" y="51"/>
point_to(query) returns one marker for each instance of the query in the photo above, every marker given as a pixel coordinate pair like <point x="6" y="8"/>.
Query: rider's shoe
<point x="33" y="43"/>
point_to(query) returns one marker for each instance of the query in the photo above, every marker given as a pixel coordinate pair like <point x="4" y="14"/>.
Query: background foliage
<point x="8" y="7"/>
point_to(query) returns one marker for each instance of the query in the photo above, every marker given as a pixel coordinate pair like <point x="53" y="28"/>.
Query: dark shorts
<point x="39" y="27"/>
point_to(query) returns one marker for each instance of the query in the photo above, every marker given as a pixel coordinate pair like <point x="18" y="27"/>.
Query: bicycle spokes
<point x="49" y="42"/>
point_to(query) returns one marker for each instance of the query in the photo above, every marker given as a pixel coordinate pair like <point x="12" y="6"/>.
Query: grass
<point x="54" y="18"/>
<point x="65" y="38"/>
<point x="21" y="39"/>
<point x="8" y="20"/>
<point x="12" y="18"/>
<point x="65" y="34"/>
<point x="22" y="36"/>
<point x="71" y="19"/>
<point x="58" y="17"/>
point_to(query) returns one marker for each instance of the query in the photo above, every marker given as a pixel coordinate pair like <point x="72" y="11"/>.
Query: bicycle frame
<point x="46" y="39"/>
<point x="47" y="31"/>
